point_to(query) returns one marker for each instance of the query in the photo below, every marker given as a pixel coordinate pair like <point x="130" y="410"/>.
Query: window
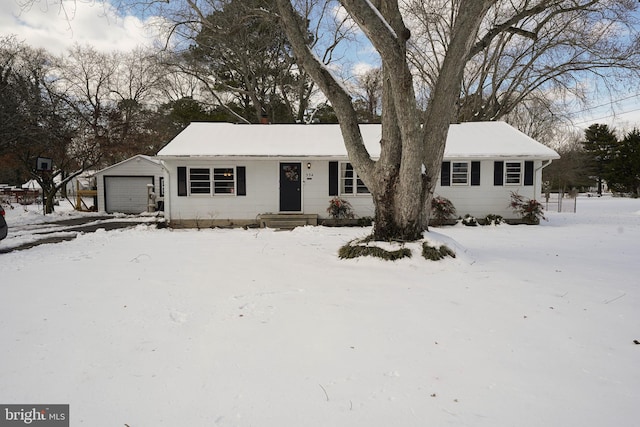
<point x="224" y="181"/>
<point x="200" y="181"/>
<point x="459" y="173"/>
<point x="349" y="181"/>
<point x="512" y="173"/>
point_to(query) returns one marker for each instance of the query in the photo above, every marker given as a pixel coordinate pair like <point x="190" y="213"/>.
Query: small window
<point x="459" y="173"/>
<point x="161" y="186"/>
<point x="200" y="181"/>
<point x="350" y="184"/>
<point x="512" y="173"/>
<point x="224" y="181"/>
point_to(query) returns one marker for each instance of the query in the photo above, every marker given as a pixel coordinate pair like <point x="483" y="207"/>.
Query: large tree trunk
<point x="397" y="183"/>
<point x="403" y="179"/>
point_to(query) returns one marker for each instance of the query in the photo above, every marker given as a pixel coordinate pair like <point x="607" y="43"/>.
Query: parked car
<point x="3" y="224"/>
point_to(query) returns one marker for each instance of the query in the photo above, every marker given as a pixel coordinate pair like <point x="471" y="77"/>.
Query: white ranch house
<point x="223" y="174"/>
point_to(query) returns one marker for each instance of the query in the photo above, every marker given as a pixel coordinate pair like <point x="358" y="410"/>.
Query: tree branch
<point x="334" y="91"/>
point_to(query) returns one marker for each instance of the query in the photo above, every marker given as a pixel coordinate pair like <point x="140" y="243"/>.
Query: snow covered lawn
<point x="528" y="326"/>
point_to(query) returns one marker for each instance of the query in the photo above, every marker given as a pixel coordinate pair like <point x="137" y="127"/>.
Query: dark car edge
<point x="3" y="224"/>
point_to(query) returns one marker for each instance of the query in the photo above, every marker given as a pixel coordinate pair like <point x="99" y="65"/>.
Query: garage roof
<point x="139" y="157"/>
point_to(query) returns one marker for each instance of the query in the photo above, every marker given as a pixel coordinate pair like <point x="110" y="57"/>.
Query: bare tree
<point x="114" y="96"/>
<point x="85" y="79"/>
<point x="35" y="122"/>
<point x="445" y="41"/>
<point x="403" y="179"/>
<point x="556" y="52"/>
<point x="369" y="95"/>
<point x="136" y="88"/>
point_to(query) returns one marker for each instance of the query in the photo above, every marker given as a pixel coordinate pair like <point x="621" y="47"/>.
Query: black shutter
<point x="498" y="173"/>
<point x="528" y="173"/>
<point x="182" y="181"/>
<point x="475" y="173"/>
<point x="241" y="180"/>
<point x="445" y="174"/>
<point x="333" y="178"/>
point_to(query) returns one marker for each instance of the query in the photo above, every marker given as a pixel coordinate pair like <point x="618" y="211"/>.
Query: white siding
<point x="262" y="187"/>
<point x="316" y="192"/>
<point x="488" y="198"/>
<point x="136" y="166"/>
<point x="262" y="193"/>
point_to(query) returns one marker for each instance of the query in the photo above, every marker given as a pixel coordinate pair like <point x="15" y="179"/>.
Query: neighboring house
<point x="228" y="174"/>
<point x="123" y="187"/>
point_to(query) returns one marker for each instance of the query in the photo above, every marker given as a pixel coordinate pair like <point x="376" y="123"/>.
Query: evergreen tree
<point x="624" y="170"/>
<point x="600" y="144"/>
<point x="242" y="53"/>
<point x="569" y="171"/>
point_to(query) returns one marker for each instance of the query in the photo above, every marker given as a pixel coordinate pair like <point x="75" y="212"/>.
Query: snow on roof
<point x="468" y="140"/>
<point x="137" y="157"/>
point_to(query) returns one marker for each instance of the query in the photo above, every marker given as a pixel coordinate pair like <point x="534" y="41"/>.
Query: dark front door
<point x="290" y="187"/>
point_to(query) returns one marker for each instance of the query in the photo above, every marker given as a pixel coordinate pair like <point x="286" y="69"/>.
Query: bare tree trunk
<point x="403" y="179"/>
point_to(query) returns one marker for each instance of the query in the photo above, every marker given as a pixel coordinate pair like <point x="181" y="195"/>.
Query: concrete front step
<point x="287" y="221"/>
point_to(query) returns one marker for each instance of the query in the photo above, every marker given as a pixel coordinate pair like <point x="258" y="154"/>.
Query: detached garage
<point x="123" y="187"/>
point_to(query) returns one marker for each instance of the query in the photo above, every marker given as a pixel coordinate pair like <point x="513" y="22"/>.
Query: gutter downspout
<point x="544" y="164"/>
<point x="167" y="192"/>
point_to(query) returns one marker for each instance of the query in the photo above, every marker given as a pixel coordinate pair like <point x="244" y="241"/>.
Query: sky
<point x="94" y="22"/>
<point x="47" y="25"/>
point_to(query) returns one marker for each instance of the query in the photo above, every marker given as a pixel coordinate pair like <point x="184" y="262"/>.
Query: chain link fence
<point x="561" y="202"/>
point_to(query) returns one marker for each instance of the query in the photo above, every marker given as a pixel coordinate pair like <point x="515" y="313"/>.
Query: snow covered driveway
<point x="528" y="326"/>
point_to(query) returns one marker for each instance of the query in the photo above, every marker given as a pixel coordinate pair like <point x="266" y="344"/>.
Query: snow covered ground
<point x="528" y="326"/>
<point x="27" y="224"/>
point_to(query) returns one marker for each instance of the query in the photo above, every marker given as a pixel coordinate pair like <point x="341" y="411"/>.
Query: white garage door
<point x="126" y="194"/>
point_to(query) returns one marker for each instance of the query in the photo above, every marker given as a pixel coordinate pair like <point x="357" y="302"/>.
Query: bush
<point x="358" y="248"/>
<point x="469" y="221"/>
<point x="492" y="219"/>
<point x="340" y="209"/>
<point x="442" y="210"/>
<point x="529" y="210"/>
<point x="436" y="254"/>
<point x="366" y="247"/>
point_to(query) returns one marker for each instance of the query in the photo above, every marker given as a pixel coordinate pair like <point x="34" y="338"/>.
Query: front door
<point x="290" y="187"/>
